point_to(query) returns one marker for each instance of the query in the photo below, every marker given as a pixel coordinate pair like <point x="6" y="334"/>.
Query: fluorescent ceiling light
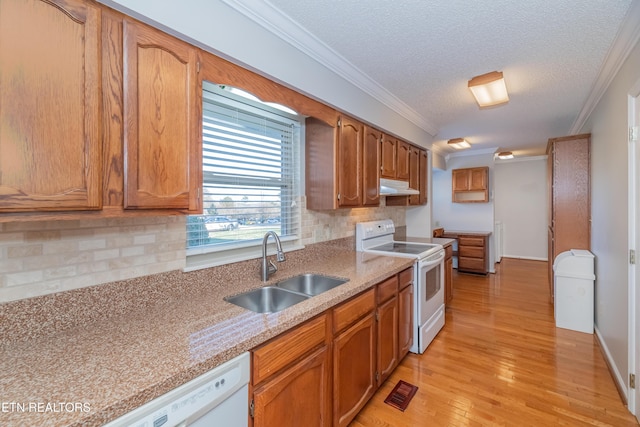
<point x="458" y="143"/>
<point x="489" y="89"/>
<point x="505" y="155"/>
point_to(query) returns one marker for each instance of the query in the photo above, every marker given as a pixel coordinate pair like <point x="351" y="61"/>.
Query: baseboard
<point x="532" y="258"/>
<point x="618" y="380"/>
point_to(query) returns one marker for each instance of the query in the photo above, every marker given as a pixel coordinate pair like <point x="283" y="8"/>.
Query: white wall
<point x="521" y="205"/>
<point x="609" y="240"/>
<point x="464" y="216"/>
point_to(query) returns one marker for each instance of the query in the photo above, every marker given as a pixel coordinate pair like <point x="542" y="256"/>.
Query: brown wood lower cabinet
<point x="448" y="274"/>
<point x="405" y="314"/>
<point x="388" y="333"/>
<point x="299" y="396"/>
<point x="322" y="372"/>
<point x="354" y="368"/>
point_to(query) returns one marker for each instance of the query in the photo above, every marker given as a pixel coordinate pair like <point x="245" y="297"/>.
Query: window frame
<point x="213" y="255"/>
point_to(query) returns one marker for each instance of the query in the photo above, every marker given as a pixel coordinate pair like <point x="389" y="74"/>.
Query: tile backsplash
<point x="43" y="257"/>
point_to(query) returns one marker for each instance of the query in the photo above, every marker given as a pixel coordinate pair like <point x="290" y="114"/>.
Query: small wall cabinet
<point x="470" y="185"/>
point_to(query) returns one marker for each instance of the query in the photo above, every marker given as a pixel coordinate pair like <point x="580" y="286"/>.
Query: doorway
<point x="634" y="244"/>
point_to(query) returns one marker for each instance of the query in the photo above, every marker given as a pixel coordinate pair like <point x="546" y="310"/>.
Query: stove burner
<point x="403" y="248"/>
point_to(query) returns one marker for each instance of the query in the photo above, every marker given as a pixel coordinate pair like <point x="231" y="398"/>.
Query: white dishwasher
<point x="218" y="398"/>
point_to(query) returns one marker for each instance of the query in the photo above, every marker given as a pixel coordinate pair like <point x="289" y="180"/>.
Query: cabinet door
<point x="50" y="144"/>
<point x="388" y="157"/>
<point x="387" y="338"/>
<point x="161" y="138"/>
<point x="299" y="396"/>
<point x="405" y="321"/>
<point x="350" y="162"/>
<point x="402" y="157"/>
<point x="478" y="179"/>
<point x="353" y="370"/>
<point x="370" y="167"/>
<point x="460" y="179"/>
<point x="414" y="174"/>
<point x="424" y="171"/>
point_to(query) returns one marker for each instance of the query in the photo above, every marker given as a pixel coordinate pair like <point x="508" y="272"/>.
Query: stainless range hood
<point x="394" y="187"/>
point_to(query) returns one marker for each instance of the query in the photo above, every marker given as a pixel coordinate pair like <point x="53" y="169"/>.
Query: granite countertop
<point x="111" y="348"/>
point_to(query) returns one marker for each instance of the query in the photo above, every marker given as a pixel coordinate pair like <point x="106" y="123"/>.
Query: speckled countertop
<point x="111" y="348"/>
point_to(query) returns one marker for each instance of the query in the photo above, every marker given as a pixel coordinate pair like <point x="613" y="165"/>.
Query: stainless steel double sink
<point x="284" y="294"/>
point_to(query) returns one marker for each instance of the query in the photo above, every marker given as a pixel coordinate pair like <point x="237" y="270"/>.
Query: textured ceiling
<point x="425" y="51"/>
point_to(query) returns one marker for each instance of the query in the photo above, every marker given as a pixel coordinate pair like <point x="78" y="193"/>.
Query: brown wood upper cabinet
<point x="423" y="181"/>
<point x="470" y="185"/>
<point x="354" y="151"/>
<point x="50" y="125"/>
<point x="418" y="170"/>
<point x="370" y="169"/>
<point x="394" y="163"/>
<point x="161" y="139"/>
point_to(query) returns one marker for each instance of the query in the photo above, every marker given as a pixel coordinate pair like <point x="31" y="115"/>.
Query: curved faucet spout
<point x="268" y="267"/>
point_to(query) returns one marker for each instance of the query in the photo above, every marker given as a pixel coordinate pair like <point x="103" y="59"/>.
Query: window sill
<point x="200" y="258"/>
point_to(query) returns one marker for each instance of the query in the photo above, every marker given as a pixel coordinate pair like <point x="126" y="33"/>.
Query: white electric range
<point x="428" y="275"/>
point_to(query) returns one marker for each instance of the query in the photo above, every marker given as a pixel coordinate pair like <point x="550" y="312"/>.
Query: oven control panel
<point x="372" y="229"/>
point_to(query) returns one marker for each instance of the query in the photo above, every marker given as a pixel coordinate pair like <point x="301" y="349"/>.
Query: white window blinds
<point x="250" y="172"/>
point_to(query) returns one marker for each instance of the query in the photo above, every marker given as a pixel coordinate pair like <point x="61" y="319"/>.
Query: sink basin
<point x="311" y="284"/>
<point x="269" y="299"/>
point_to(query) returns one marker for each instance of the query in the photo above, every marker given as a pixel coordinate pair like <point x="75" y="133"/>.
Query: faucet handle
<point x="272" y="267"/>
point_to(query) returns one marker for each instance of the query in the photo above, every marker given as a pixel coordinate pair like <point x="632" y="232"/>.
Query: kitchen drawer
<point x="405" y="278"/>
<point x="348" y="312"/>
<point x="470" y="241"/>
<point x="387" y="289"/>
<point x="471" y="264"/>
<point x="471" y="251"/>
<point x="288" y="347"/>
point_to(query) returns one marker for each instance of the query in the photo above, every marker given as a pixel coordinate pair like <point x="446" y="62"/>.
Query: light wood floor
<point x="500" y="360"/>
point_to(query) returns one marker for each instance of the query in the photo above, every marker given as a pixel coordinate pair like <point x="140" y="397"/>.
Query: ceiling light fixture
<point x="489" y="89"/>
<point x="504" y="155"/>
<point x="459" y="143"/>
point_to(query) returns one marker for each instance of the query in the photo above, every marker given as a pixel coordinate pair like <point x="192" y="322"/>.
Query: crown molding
<point x="481" y="152"/>
<point x="275" y="21"/>
<point x="627" y="37"/>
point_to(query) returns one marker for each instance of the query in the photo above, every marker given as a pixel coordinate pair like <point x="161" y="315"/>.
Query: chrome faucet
<point x="268" y="268"/>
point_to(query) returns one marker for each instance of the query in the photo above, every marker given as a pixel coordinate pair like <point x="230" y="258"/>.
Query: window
<point x="251" y="176"/>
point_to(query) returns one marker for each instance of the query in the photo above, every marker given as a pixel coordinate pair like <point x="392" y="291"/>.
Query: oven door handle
<point x="432" y="261"/>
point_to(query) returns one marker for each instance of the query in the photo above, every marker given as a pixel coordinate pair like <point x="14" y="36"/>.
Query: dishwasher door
<point x="219" y="397"/>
